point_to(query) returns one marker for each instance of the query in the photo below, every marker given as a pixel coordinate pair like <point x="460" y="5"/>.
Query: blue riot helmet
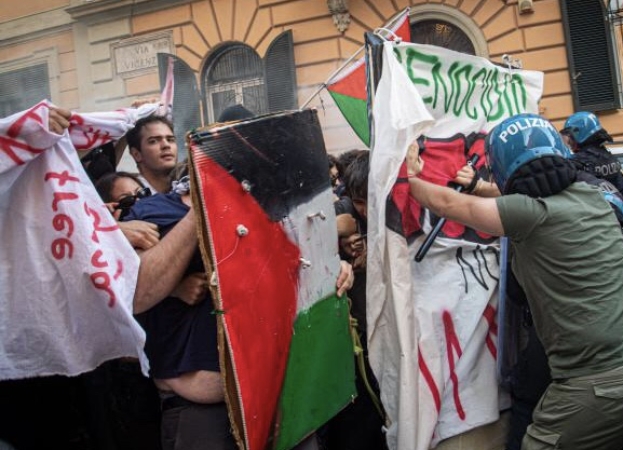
<point x="581" y="126"/>
<point x="527" y="155"/>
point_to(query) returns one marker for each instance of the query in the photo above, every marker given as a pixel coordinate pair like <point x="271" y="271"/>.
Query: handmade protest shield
<point x="269" y="238"/>
<point x="432" y="329"/>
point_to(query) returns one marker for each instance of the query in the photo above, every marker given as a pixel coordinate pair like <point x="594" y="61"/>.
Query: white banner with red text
<point x="432" y="329"/>
<point x="67" y="273"/>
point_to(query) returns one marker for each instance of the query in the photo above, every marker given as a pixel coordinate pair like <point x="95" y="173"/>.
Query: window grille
<point x="235" y="76"/>
<point x="22" y="88"/>
<point x="441" y="34"/>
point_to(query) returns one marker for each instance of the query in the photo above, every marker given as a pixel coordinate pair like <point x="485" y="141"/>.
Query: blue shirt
<point x="180" y="337"/>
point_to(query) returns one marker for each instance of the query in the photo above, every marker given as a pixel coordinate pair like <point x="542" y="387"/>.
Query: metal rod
<point x="428" y="242"/>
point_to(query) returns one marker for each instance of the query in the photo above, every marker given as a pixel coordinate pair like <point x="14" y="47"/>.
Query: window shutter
<point x="20" y="89"/>
<point x="186" y="99"/>
<point x="590" y="55"/>
<point x="281" y="74"/>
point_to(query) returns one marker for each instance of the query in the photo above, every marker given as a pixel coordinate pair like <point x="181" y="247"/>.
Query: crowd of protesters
<point x="566" y="274"/>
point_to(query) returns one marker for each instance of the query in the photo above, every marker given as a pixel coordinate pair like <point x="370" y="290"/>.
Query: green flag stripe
<point x="355" y="111"/>
<point x="320" y="376"/>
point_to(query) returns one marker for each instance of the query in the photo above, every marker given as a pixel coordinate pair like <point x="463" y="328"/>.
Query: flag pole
<point x="333" y="75"/>
<point x="386" y="28"/>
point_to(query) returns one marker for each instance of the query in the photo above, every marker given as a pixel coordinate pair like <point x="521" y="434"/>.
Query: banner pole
<point x="333" y="75"/>
<point x="386" y="28"/>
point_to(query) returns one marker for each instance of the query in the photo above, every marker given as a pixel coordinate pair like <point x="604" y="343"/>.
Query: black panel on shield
<point x="282" y="156"/>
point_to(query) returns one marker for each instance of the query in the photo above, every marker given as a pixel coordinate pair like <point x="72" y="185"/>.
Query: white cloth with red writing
<point x="432" y="328"/>
<point x="67" y="273"/>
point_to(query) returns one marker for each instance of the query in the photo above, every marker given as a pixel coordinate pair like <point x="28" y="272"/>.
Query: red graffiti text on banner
<point x="62" y="247"/>
<point x="430" y="381"/>
<point x="101" y="279"/>
<point x="453" y="345"/>
<point x="489" y="315"/>
<point x="33" y="114"/>
<point x="12" y="145"/>
<point x="86" y="137"/>
<point x="97" y="223"/>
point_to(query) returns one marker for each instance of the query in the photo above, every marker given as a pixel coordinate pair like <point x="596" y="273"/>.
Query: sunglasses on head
<point x="127" y="202"/>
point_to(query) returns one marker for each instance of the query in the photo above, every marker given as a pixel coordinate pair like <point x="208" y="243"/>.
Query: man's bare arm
<point x="142" y="235"/>
<point x="476" y="212"/>
<point x="163" y="265"/>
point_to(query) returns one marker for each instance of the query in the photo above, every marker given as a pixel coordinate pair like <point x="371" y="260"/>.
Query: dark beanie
<point x="235" y="112"/>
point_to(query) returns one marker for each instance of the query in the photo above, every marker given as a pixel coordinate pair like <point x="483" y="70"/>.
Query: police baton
<point x="425" y="247"/>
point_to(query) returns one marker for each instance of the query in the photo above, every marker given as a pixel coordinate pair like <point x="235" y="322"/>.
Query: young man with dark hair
<point x="153" y="147"/>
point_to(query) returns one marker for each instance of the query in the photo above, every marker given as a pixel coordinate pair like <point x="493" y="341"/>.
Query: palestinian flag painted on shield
<point x="349" y="89"/>
<point x="269" y="238"/>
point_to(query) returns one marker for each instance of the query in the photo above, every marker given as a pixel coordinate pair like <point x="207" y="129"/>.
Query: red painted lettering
<point x="96" y="259"/>
<point x="10" y="146"/>
<point x="430" y="381"/>
<point x="92" y="138"/>
<point x="60" y="221"/>
<point x="119" y="269"/>
<point x="453" y="345"/>
<point x="101" y="281"/>
<point x="32" y="113"/>
<point x="62" y="247"/>
<point x="489" y="315"/>
<point x="60" y="196"/>
<point x="62" y="177"/>
<point x="97" y="223"/>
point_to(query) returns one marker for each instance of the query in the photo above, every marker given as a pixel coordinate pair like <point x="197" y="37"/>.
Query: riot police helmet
<point x="526" y="155"/>
<point x="581" y="126"/>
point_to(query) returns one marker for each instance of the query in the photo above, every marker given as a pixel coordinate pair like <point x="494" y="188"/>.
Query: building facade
<point x="270" y="55"/>
<point x="97" y="55"/>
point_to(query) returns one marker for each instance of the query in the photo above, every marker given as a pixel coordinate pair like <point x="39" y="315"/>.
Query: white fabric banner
<point x="432" y="332"/>
<point x="67" y="273"/>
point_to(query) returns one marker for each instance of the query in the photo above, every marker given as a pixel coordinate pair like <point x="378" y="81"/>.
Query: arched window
<point x="446" y="26"/>
<point x="442" y="34"/>
<point x="235" y="75"/>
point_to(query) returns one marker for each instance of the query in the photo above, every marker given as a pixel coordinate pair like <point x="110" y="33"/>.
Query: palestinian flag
<point x="269" y="238"/>
<point x="349" y="89"/>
